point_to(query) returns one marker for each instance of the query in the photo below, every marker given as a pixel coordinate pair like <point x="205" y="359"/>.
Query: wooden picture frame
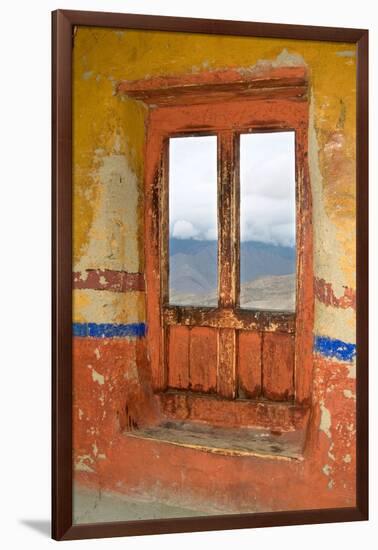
<point x="64" y="24"/>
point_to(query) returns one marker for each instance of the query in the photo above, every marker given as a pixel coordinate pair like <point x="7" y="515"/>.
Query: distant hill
<point x="193" y="268"/>
<point x="274" y="292"/>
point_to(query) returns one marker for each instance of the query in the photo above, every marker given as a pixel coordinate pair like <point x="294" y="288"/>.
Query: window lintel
<point x="218" y="85"/>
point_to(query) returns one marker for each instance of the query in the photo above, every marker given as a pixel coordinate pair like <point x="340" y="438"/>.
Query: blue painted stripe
<point x="333" y="348"/>
<point x="324" y="345"/>
<point x="109" y="330"/>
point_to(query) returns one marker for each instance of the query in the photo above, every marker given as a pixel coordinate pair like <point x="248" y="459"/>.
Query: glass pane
<point x="267" y="221"/>
<point x="193" y="221"/>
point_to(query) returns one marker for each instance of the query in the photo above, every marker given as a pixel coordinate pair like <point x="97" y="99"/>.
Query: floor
<point x="92" y="506"/>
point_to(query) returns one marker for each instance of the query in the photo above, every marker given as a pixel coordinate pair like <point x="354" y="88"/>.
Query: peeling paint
<point x="333" y="348"/>
<point x="325" y="420"/>
<point x="97" y="377"/>
<point x="109" y="330"/>
<point x="105" y="279"/>
<point x="108" y="307"/>
<point x="87" y="74"/>
<point x="335" y="323"/>
<point x="288" y="59"/>
<point x="326" y="295"/>
<point x="330" y="453"/>
<point x="81" y="464"/>
<point x="346" y="53"/>
<point x="327" y="244"/>
<point x="113" y="236"/>
<point x="348" y="394"/>
<point x="352" y="371"/>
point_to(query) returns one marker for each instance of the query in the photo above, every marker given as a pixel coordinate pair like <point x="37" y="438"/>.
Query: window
<point x="229" y="244"/>
<point x="267" y="221"/>
<point x="193" y="230"/>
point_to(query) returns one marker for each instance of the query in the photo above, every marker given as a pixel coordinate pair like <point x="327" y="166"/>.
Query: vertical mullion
<point x="164" y="257"/>
<point x="236" y="217"/>
<point x="228" y="226"/>
<point x="228" y="247"/>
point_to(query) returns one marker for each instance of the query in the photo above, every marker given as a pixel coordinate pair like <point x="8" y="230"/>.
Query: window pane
<point x="267" y="221"/>
<point x="193" y="221"/>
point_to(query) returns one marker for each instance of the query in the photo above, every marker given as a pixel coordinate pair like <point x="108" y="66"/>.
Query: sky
<point x="267" y="188"/>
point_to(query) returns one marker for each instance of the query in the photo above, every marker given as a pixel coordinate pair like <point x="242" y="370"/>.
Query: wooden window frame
<point x="174" y="105"/>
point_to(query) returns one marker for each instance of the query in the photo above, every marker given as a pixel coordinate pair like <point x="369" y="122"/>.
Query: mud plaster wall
<point x="109" y="297"/>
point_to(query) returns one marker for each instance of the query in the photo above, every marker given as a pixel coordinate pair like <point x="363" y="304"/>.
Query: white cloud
<point x="267" y="188"/>
<point x="183" y="229"/>
<point x="193" y="187"/>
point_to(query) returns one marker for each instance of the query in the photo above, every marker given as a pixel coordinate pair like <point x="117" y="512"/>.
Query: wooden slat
<point x="278" y="366"/>
<point x="226" y="371"/>
<point x="178" y="357"/>
<point x="241" y="319"/>
<point x="184" y="406"/>
<point x="249" y="364"/>
<point x="203" y="359"/>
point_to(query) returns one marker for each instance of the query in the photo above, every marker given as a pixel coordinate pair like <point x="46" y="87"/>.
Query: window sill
<point x="245" y="442"/>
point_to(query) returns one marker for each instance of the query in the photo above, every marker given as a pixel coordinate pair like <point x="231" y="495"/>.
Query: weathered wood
<point x="249" y="372"/>
<point x="203" y="359"/>
<point x="228" y="244"/>
<point x="240" y="116"/>
<point x="176" y="405"/>
<point x="164" y="223"/>
<point x="178" y="357"/>
<point x="278" y="366"/>
<point x="163" y="98"/>
<point x="227" y="118"/>
<point x="236" y="219"/>
<point x="227" y="441"/>
<point x="241" y="319"/>
<point x="226" y="221"/>
<point x="305" y="280"/>
<point x="153" y="182"/>
<point x="216" y="86"/>
<point x="226" y="375"/>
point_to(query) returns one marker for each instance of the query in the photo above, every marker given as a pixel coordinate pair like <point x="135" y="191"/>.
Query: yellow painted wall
<point x="109" y="135"/>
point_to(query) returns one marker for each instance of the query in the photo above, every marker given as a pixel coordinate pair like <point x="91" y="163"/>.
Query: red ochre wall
<point x="105" y="459"/>
<point x="112" y="390"/>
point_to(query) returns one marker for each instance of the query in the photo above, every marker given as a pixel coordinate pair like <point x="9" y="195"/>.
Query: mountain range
<point x="267" y="274"/>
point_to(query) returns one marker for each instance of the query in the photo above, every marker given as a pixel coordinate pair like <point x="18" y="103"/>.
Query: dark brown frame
<point x="63" y="23"/>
